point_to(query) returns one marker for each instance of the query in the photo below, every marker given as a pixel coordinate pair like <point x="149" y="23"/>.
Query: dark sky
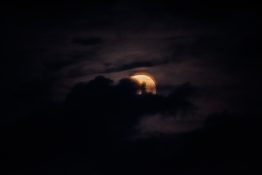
<point x="49" y="47"/>
<point x="211" y="45"/>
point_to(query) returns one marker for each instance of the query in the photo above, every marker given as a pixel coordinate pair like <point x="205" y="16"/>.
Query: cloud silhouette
<point x="101" y="94"/>
<point x="90" y="133"/>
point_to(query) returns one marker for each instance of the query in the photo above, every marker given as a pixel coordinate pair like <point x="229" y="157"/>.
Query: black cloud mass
<point x="95" y="131"/>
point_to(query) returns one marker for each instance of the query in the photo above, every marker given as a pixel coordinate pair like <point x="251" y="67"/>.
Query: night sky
<point x="69" y="107"/>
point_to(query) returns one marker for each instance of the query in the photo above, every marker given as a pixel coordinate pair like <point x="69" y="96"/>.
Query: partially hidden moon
<point x="146" y="82"/>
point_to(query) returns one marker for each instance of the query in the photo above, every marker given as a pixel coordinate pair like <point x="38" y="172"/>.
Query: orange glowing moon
<point x="146" y="82"/>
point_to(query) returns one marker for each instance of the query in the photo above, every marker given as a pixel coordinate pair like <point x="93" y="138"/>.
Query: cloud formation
<point x="92" y="133"/>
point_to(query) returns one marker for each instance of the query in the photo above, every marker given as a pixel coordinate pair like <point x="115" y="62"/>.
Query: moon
<point x="145" y="81"/>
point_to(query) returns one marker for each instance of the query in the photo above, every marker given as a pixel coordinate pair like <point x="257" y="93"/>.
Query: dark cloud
<point x="134" y="65"/>
<point x="123" y="97"/>
<point x="96" y="117"/>
<point x="92" y="133"/>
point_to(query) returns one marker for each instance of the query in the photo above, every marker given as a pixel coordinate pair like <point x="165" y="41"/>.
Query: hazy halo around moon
<point x="146" y="80"/>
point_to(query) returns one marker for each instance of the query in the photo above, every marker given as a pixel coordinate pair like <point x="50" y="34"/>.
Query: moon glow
<point x="146" y="82"/>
